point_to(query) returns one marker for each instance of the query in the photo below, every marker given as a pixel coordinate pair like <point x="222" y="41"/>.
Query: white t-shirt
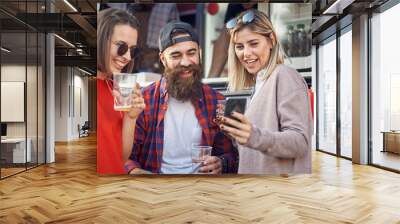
<point x="181" y="130"/>
<point x="259" y="82"/>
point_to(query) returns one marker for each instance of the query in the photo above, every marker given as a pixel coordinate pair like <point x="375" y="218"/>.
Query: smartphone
<point x="237" y="104"/>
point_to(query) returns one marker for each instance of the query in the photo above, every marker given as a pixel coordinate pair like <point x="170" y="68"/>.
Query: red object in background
<point x="213" y="8"/>
<point x="311" y="97"/>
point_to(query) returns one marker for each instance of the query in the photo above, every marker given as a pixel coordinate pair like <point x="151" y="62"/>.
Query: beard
<point x="183" y="89"/>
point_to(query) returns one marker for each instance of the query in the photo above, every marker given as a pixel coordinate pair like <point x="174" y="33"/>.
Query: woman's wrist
<point x="131" y="117"/>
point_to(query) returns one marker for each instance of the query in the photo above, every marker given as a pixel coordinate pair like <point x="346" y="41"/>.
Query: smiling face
<point x="121" y="34"/>
<point x="180" y="56"/>
<point x="252" y="49"/>
<point x="183" y="69"/>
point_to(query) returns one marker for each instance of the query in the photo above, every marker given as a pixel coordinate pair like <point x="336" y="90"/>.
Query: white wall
<point x="61" y="103"/>
<point x="33" y="127"/>
<point x="15" y="73"/>
<point x="80" y="102"/>
<point x="71" y="93"/>
<point x="213" y="26"/>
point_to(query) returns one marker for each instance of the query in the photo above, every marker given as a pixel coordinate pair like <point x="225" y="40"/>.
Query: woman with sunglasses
<point x="117" y="34"/>
<point x="274" y="134"/>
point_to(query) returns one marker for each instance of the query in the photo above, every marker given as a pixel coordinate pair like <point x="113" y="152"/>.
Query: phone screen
<point x="237" y="104"/>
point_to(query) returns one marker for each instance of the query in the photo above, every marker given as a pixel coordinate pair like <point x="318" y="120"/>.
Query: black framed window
<point x="345" y="82"/>
<point x="326" y="93"/>
<point x="334" y="94"/>
<point x="22" y="76"/>
<point x="384" y="114"/>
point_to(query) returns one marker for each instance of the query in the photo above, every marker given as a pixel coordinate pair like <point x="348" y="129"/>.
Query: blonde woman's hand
<point x="239" y="129"/>
<point x="139" y="171"/>
<point x="138" y="104"/>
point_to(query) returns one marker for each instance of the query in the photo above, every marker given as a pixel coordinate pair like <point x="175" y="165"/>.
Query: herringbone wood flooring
<point x="10" y="171"/>
<point x="70" y="191"/>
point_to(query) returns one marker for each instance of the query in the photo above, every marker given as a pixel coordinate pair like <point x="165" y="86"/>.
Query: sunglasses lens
<point x="248" y="17"/>
<point x="231" y="23"/>
<point x="122" y="49"/>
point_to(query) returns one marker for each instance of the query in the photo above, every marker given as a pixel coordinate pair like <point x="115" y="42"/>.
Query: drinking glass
<point x="199" y="155"/>
<point x="123" y="84"/>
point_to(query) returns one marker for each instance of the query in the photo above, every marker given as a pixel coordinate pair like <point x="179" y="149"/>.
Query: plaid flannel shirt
<point x="147" y="148"/>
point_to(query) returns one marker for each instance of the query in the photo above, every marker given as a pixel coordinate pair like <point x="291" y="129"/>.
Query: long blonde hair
<point x="238" y="77"/>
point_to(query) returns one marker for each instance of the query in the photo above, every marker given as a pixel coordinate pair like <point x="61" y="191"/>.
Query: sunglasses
<point x="123" y="48"/>
<point x="248" y="17"/>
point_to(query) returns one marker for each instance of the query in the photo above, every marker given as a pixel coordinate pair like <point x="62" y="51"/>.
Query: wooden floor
<point x="387" y="159"/>
<point x="70" y="191"/>
<point x="10" y="171"/>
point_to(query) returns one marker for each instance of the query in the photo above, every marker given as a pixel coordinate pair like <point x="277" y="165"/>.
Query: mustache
<point x="188" y="88"/>
<point x="195" y="69"/>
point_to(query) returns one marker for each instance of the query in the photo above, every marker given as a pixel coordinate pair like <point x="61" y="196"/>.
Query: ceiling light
<point x="5" y="50"/>
<point x="331" y="8"/>
<point x="337" y="7"/>
<point x="84" y="71"/>
<point x="70" y="5"/>
<point x="65" y="41"/>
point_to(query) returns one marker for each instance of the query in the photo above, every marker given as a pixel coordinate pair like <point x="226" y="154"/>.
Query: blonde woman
<point x="274" y="134"/>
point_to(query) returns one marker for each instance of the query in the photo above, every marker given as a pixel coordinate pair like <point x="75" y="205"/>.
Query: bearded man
<point x="180" y="112"/>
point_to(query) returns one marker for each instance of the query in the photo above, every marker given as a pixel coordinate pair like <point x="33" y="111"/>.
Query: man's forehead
<point x="182" y="47"/>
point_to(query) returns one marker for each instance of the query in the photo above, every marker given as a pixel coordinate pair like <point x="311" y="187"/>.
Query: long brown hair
<point x="238" y="77"/>
<point x="106" y="21"/>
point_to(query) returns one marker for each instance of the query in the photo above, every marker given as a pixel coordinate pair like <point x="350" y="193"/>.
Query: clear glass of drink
<point x="123" y="84"/>
<point x="199" y="155"/>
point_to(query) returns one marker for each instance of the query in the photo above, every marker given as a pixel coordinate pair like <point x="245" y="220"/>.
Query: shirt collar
<point x="163" y="87"/>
